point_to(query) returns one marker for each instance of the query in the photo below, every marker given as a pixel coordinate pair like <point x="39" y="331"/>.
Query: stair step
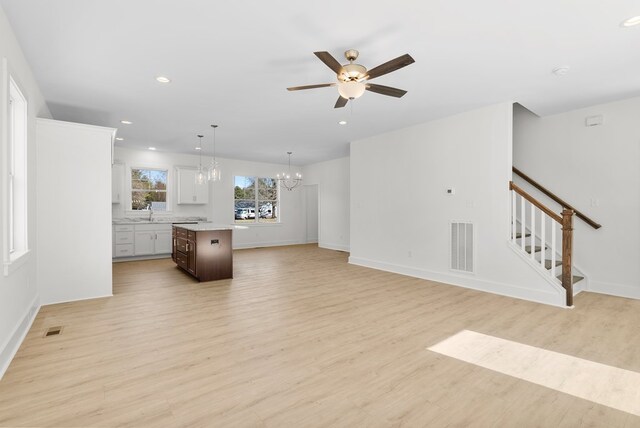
<point x="547" y="263"/>
<point x="519" y="235"/>
<point x="576" y="278"/>
<point x="537" y="249"/>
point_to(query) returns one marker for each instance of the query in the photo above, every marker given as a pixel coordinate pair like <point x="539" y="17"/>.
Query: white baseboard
<point x="619" y="290"/>
<point x="77" y="300"/>
<point x="509" y="290"/>
<point x="11" y="346"/>
<point x="330" y="246"/>
<point x="134" y="258"/>
<point x="247" y="245"/>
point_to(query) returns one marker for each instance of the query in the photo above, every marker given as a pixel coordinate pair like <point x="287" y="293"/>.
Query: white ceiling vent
<point x="462" y="247"/>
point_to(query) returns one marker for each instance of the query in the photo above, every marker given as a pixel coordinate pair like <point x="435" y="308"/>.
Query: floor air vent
<point x="53" y="331"/>
<point x="462" y="247"/>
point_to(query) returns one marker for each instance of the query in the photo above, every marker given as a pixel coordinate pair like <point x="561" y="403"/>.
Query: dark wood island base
<point x="203" y="251"/>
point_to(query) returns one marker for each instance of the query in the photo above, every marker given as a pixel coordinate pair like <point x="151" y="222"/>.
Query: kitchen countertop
<point x="200" y="227"/>
<point x="157" y="220"/>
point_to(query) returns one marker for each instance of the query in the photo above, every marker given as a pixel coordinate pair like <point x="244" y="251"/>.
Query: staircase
<point x="543" y="261"/>
<point x="545" y="240"/>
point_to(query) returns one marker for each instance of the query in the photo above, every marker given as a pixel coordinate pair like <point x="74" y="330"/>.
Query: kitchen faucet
<point x="150" y="213"/>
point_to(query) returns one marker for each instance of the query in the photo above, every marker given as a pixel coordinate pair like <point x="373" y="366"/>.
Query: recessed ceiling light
<point x="342" y="122"/>
<point x="631" y="21"/>
<point x="198" y="148"/>
<point x="561" y="71"/>
<point x="126" y="122"/>
<point x="152" y="148"/>
<point x="119" y="138"/>
<point x="163" y="79"/>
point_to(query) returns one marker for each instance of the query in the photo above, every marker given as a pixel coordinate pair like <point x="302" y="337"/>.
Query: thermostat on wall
<point x="594" y="120"/>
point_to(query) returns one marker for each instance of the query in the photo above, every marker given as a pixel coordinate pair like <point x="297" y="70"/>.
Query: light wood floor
<point x="300" y="338"/>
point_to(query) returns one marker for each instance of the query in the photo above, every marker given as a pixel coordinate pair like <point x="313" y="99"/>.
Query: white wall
<point x="332" y="178"/>
<point x="18" y="291"/>
<point x="74" y="223"/>
<point x="596" y="169"/>
<point x="290" y="230"/>
<point x="401" y="212"/>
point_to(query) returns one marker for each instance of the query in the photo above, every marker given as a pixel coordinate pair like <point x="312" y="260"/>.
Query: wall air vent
<point x="462" y="246"/>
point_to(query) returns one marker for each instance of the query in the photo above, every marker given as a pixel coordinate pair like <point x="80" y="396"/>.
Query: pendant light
<point x="200" y="176"/>
<point x="288" y="180"/>
<point x="213" y="172"/>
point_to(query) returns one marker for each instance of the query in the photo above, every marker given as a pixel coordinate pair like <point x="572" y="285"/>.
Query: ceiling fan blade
<point x="389" y="66"/>
<point x="341" y="102"/>
<point x="330" y="61"/>
<point x="386" y="90"/>
<point x="321" y="85"/>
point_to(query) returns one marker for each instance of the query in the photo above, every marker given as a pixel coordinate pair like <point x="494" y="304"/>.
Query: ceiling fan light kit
<point x="352" y="79"/>
<point x="351" y="89"/>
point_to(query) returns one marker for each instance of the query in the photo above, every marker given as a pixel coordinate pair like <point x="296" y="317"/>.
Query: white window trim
<point x="169" y="190"/>
<point x="257" y="222"/>
<point x="12" y="259"/>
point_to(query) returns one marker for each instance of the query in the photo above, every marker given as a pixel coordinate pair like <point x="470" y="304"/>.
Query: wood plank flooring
<point x="300" y="338"/>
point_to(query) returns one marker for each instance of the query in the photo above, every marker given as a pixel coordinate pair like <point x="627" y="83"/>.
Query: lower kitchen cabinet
<point x="141" y="240"/>
<point x="163" y="242"/>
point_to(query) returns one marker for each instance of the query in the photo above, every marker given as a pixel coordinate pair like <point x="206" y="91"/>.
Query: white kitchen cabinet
<point x="144" y="243"/>
<point x="123" y="240"/>
<point x="148" y="239"/>
<point x="117" y="182"/>
<point x="152" y="239"/>
<point x="188" y="191"/>
<point x="163" y="242"/>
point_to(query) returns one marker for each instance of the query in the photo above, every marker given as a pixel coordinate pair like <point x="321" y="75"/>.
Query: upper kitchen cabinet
<point x="189" y="192"/>
<point x="117" y="182"/>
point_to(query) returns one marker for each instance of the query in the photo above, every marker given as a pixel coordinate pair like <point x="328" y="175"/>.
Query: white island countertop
<point x="209" y="226"/>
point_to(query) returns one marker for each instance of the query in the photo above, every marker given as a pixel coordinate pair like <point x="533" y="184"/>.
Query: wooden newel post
<point x="567" y="248"/>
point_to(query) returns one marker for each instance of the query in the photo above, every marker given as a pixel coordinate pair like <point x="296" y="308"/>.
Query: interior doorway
<point x="311" y="209"/>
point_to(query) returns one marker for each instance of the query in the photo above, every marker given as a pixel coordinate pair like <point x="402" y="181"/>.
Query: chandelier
<point x="288" y="180"/>
<point x="213" y="172"/>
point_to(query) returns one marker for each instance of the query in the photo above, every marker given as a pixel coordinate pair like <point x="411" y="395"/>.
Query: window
<point x="17" y="174"/>
<point x="256" y="200"/>
<point x="149" y="189"/>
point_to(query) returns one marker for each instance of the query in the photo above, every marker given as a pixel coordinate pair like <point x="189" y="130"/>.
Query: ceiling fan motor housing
<point x="352" y="72"/>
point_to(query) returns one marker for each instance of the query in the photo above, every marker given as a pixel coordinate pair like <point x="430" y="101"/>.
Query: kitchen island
<point x="203" y="250"/>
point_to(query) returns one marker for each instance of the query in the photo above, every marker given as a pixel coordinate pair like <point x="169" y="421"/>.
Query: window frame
<point x="256" y="221"/>
<point x="15" y="190"/>
<point x="167" y="190"/>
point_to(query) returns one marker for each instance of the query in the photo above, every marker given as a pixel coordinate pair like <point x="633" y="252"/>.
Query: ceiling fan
<point x="353" y="79"/>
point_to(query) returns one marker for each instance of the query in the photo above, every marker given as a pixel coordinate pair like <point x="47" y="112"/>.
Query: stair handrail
<point x="566" y="221"/>
<point x="560" y="201"/>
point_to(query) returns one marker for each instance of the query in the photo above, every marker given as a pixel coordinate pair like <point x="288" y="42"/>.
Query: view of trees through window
<point x="256" y="200"/>
<point x="149" y="189"/>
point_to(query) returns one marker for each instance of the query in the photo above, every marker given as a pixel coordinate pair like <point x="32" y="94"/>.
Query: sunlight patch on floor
<point x="599" y="383"/>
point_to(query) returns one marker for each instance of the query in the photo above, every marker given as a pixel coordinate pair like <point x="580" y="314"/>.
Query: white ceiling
<point x="230" y="62"/>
